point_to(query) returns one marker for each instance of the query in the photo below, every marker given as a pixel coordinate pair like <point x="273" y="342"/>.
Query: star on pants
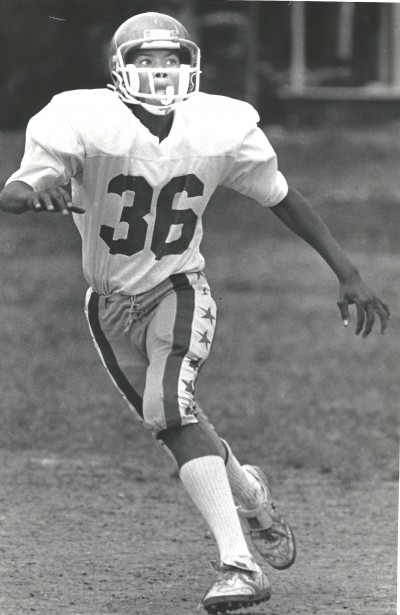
<point x="208" y="314"/>
<point x="204" y="339"/>
<point x="194" y="363"/>
<point x="188" y="385"/>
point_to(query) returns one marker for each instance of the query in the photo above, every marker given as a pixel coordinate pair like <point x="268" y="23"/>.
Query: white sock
<point x="206" y="481"/>
<point x="245" y="488"/>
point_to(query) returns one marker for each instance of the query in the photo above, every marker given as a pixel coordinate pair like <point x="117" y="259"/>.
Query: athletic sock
<point x="245" y="488"/>
<point x="206" y="481"/>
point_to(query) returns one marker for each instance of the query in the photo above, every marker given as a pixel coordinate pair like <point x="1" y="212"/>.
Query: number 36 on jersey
<point x="166" y="216"/>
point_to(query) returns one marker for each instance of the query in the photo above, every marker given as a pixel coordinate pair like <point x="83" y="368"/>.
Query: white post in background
<point x="298" y="46"/>
<point x="396" y="45"/>
<point x="345" y="31"/>
<point x="384" y="45"/>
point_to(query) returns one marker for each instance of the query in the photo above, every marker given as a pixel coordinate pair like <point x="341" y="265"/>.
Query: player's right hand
<point x="53" y="200"/>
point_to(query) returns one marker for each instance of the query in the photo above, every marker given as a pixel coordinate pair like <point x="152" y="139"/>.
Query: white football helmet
<point x="153" y="31"/>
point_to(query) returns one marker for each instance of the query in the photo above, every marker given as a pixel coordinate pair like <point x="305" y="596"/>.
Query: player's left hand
<point x="355" y="291"/>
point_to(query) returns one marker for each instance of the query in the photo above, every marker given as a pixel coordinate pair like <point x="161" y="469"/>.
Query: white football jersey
<point x="143" y="199"/>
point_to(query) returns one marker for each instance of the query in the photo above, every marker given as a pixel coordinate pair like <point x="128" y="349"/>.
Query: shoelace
<point x="270" y="533"/>
<point x="221" y="567"/>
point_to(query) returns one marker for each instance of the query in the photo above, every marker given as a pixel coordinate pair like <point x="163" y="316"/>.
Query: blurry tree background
<point x="48" y="46"/>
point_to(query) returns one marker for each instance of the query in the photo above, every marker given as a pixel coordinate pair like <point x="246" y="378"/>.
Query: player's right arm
<point x="18" y="197"/>
<point x="53" y="155"/>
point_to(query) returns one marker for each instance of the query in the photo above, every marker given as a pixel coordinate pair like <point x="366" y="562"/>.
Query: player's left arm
<point x="298" y="215"/>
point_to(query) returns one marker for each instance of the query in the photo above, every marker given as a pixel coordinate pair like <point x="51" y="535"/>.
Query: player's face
<point x="161" y="61"/>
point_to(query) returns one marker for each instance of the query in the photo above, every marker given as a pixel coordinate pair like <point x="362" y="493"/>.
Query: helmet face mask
<point x="145" y="33"/>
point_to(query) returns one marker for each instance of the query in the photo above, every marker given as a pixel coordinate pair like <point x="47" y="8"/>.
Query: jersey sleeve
<point x="254" y="170"/>
<point x="53" y="151"/>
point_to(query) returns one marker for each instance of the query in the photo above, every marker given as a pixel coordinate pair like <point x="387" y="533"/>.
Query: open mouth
<point x="164" y="91"/>
<point x="166" y="94"/>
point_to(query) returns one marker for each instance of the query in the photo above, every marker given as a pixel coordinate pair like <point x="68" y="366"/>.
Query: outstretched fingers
<point x="366" y="311"/>
<point x="369" y="322"/>
<point x="53" y="200"/>
<point x="382" y="309"/>
<point x="361" y="308"/>
<point x="344" y="312"/>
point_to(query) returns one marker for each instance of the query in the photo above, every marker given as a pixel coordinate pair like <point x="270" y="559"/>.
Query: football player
<point x="143" y="159"/>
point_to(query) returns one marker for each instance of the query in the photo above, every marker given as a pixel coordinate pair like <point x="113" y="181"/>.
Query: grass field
<point x="282" y="370"/>
<point x="285" y="383"/>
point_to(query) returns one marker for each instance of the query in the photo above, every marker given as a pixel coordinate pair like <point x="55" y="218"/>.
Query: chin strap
<point x="154" y="109"/>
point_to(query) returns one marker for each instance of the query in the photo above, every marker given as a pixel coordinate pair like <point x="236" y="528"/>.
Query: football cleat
<point x="269" y="532"/>
<point x="233" y="588"/>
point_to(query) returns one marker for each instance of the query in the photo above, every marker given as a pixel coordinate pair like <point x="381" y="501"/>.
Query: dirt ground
<point x="93" y="519"/>
<point x="97" y="535"/>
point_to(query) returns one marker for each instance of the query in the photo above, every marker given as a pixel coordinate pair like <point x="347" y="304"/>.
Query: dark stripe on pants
<point x="109" y="357"/>
<point x="185" y="303"/>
